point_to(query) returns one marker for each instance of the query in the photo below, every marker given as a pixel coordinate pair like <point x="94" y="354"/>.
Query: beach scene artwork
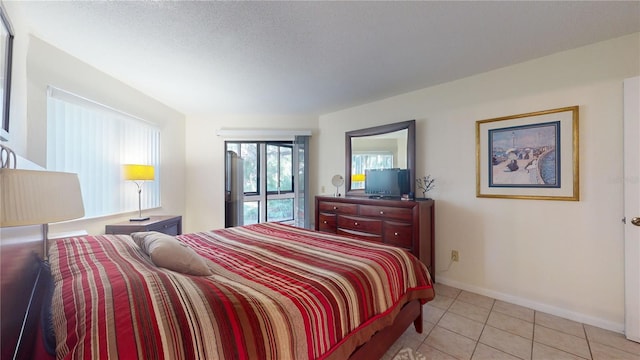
<point x="525" y="156"/>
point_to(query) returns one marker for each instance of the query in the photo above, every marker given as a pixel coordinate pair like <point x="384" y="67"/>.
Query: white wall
<point x="205" y="161"/>
<point x="561" y="257"/>
<point x="66" y="72"/>
<point x="38" y="64"/>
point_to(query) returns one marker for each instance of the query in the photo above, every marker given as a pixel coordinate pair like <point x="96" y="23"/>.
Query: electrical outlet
<point x="454" y="255"/>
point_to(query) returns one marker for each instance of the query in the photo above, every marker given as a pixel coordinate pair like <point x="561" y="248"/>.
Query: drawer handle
<point x="396" y="234"/>
<point x="324" y="222"/>
<point x="355" y="223"/>
<point x="381" y="212"/>
<point x="335" y="208"/>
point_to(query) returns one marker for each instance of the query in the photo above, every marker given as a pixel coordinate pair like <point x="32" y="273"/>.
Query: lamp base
<point x="139" y="219"/>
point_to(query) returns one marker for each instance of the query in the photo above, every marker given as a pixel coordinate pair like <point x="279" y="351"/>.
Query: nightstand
<point x="170" y="225"/>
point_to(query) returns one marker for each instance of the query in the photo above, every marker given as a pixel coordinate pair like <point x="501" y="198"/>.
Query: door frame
<point x="632" y="207"/>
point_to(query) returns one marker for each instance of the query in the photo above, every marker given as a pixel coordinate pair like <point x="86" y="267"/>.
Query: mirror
<point x="385" y="146"/>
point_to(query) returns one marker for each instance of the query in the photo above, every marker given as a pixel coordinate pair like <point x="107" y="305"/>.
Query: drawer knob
<point x="381" y="212"/>
<point x="355" y="223"/>
<point x="335" y="208"/>
<point x="396" y="234"/>
<point x="324" y="222"/>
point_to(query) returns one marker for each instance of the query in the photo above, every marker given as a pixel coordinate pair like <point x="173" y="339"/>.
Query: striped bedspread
<point x="277" y="292"/>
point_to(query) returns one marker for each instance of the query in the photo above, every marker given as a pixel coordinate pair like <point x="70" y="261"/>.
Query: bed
<point x="273" y="292"/>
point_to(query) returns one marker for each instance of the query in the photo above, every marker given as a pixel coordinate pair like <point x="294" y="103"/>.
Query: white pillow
<point x="167" y="252"/>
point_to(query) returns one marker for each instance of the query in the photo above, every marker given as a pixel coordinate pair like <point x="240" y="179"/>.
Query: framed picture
<point x="529" y="156"/>
<point x="6" y="54"/>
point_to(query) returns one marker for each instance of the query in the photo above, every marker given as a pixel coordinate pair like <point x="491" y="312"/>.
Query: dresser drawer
<point x="327" y="222"/>
<point x="367" y="225"/>
<point x="360" y="235"/>
<point x="386" y="212"/>
<point x="338" y="208"/>
<point x="398" y="234"/>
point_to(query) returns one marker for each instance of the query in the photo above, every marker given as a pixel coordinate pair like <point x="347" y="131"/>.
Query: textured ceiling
<point x="312" y="57"/>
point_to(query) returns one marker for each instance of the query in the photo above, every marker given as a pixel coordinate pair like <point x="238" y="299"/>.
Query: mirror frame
<point x="409" y="125"/>
<point x="5" y="66"/>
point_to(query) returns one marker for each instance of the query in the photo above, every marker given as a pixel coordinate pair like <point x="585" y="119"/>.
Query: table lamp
<point x="34" y="197"/>
<point x="138" y="174"/>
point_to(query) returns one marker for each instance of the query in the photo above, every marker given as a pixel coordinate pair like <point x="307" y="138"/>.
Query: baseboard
<point x="549" y="309"/>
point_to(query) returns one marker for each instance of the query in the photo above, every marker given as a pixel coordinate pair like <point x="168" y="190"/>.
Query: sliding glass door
<point x="262" y="180"/>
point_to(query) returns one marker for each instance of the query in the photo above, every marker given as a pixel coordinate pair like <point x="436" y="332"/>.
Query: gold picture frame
<point x="530" y="156"/>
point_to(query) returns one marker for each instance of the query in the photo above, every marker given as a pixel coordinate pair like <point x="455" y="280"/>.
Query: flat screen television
<point x="386" y="183"/>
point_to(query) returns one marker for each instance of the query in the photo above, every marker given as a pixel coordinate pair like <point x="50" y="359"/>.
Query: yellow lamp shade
<point x="138" y="172"/>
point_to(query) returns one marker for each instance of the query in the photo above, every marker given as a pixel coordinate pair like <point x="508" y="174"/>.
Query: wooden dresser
<point x="406" y="224"/>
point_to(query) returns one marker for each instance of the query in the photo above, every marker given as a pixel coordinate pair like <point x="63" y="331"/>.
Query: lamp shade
<point x="32" y="197"/>
<point x="138" y="172"/>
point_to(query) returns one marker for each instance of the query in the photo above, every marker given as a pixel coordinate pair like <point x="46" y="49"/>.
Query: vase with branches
<point x="425" y="184"/>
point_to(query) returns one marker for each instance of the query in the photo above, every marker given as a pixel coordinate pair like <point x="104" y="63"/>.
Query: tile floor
<point x="463" y="325"/>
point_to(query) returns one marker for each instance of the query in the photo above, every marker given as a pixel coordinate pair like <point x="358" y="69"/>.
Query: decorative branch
<point x="425" y="184"/>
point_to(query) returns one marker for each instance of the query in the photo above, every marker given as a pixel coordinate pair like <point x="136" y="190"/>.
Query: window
<point x="93" y="140"/>
<point x="279" y="182"/>
<point x="279" y="168"/>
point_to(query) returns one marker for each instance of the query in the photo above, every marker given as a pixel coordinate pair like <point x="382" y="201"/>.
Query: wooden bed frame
<point x="381" y="341"/>
<point x="21" y="298"/>
<point x="22" y="295"/>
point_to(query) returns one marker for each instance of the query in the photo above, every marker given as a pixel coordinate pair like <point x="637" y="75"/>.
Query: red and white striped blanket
<point x="277" y="292"/>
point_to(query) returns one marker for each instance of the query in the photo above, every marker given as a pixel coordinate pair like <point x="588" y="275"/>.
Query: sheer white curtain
<point x="94" y="141"/>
